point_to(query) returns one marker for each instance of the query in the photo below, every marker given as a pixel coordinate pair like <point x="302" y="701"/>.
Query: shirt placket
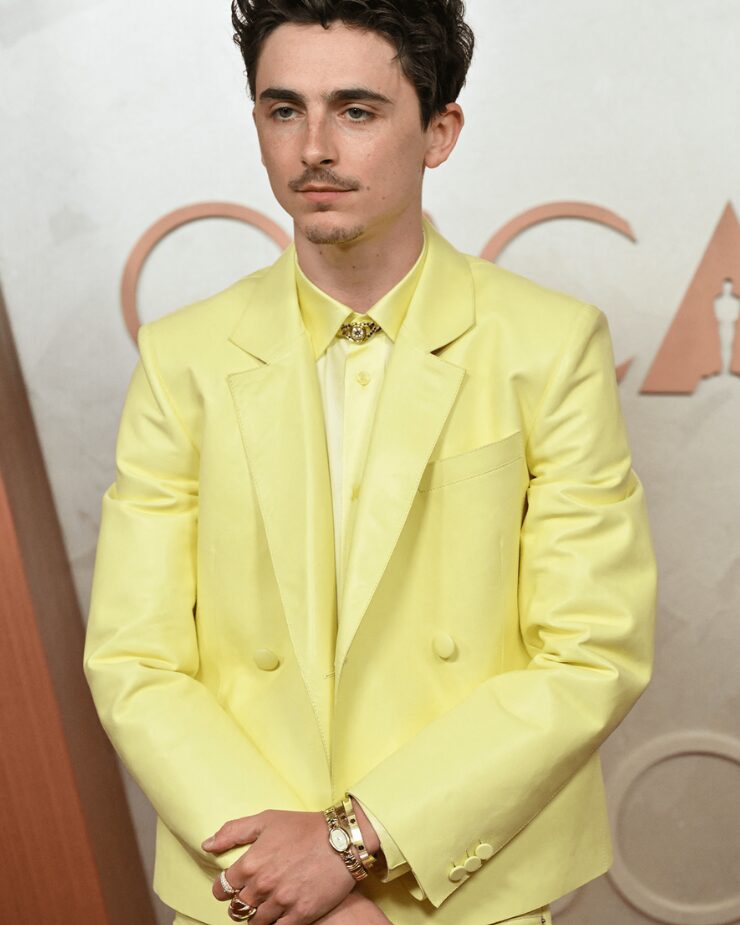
<point x="362" y="381"/>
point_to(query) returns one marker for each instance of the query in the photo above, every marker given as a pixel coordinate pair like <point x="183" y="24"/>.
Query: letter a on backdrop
<point x="691" y="350"/>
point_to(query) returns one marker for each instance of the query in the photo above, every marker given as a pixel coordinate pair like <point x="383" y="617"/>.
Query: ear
<point x="442" y="134"/>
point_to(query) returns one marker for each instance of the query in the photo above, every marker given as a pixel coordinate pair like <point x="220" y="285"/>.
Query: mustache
<point x="323" y="177"/>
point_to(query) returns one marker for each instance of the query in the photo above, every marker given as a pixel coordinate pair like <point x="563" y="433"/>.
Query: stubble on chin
<point x="319" y="234"/>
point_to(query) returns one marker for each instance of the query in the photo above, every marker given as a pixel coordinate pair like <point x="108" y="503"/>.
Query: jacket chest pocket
<point x="473" y="463"/>
<point x="541" y="916"/>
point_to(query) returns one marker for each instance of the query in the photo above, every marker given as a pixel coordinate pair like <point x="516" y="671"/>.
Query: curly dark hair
<point x="434" y="44"/>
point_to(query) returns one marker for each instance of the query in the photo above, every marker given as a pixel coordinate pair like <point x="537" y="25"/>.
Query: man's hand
<point x="290" y="872"/>
<point x="354" y="909"/>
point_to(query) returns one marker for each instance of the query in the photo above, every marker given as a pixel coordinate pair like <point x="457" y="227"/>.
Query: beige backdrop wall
<point x="114" y="114"/>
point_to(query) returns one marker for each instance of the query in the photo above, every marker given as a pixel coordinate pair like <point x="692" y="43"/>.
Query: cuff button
<point x="457" y="873"/>
<point x="484" y="851"/>
<point x="473" y="863"/>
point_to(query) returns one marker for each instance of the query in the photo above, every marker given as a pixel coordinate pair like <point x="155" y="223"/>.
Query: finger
<point x="232" y="878"/>
<point x="268" y="911"/>
<point x="233" y="833"/>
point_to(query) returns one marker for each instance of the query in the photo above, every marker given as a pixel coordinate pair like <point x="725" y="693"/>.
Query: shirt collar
<point x="324" y="315"/>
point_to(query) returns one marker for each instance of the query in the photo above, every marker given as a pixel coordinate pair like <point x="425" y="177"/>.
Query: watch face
<point x="339" y="839"/>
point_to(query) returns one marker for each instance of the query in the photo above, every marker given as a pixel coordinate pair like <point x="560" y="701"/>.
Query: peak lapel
<point x="280" y="415"/>
<point x="418" y="394"/>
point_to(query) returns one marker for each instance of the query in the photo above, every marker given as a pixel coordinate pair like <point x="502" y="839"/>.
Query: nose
<point x="318" y="143"/>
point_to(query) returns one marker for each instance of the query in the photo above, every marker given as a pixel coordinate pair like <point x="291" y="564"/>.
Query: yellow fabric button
<point x="457" y="873"/>
<point x="484" y="851"/>
<point x="266" y="659"/>
<point x="444" y="645"/>
<point x="355" y="492"/>
<point x="363" y="378"/>
<point x="472" y="864"/>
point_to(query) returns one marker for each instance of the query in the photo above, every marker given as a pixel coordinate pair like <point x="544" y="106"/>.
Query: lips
<point x="324" y="194"/>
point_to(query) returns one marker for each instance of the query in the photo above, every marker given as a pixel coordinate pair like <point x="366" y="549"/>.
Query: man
<point x="360" y="645"/>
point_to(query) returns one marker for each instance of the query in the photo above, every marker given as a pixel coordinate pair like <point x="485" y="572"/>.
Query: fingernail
<point x="208" y="843"/>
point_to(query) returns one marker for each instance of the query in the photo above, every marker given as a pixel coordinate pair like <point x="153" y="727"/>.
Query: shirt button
<point x="355" y="492"/>
<point x="363" y="378"/>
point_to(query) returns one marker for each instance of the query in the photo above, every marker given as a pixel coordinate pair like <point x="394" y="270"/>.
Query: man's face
<point x="340" y="131"/>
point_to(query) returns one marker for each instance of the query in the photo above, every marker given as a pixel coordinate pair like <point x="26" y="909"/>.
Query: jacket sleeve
<point x="197" y="767"/>
<point x="395" y="862"/>
<point x="586" y="608"/>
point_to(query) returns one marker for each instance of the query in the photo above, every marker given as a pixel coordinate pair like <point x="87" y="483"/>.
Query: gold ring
<point x="241" y="912"/>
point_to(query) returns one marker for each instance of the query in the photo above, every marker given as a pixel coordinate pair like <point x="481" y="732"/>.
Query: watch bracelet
<point x="352" y="863"/>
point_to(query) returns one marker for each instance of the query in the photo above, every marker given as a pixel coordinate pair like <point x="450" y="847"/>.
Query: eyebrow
<point x="357" y="93"/>
<point x="336" y="96"/>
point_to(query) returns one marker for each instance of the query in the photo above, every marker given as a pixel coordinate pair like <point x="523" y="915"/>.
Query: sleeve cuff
<point x="395" y="861"/>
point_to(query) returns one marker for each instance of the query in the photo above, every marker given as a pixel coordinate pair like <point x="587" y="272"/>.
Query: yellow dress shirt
<point x="350" y="378"/>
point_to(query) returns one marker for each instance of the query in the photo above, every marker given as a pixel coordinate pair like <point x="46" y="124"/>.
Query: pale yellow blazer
<point x="499" y="602"/>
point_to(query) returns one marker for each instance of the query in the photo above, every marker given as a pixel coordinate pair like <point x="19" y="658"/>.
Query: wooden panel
<point x="64" y="811"/>
<point x="40" y="813"/>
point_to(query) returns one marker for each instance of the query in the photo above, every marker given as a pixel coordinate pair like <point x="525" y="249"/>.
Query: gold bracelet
<point x="355" y="832"/>
<point x="340" y="841"/>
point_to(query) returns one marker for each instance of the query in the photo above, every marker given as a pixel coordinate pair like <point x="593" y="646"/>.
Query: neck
<point x="360" y="273"/>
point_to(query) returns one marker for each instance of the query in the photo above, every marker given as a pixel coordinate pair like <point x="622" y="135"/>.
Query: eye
<point x="282" y="113"/>
<point x="357" y="114"/>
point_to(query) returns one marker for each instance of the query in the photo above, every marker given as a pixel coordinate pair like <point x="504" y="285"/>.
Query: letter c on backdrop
<point x="168" y="223"/>
<point x="548" y="213"/>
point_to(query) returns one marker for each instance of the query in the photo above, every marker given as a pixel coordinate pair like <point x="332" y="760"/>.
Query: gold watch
<point x="341" y="841"/>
